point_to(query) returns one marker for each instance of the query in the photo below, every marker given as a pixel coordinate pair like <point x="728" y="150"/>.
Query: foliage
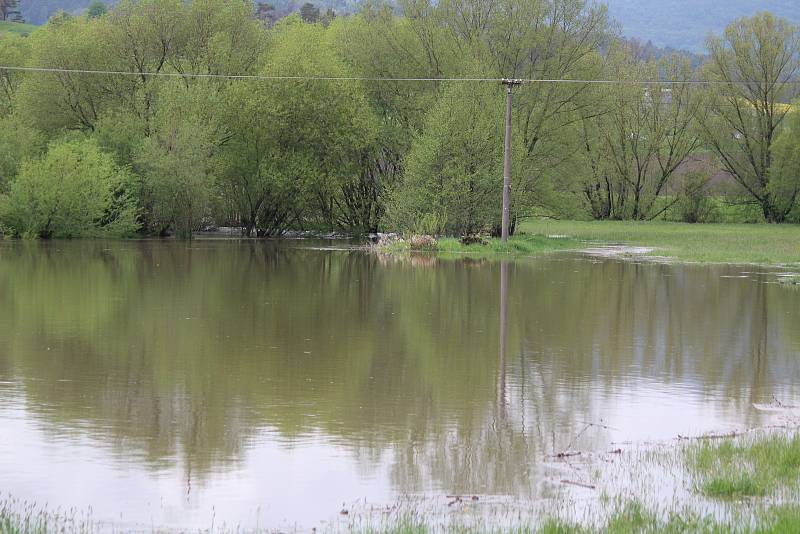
<point x="320" y="131"/>
<point x="175" y="161"/>
<point x="54" y="102"/>
<point x="18" y="143"/>
<point x="96" y="9"/>
<point x="14" y="51"/>
<point x="309" y="13"/>
<point x="454" y="170"/>
<point x="784" y="173"/>
<point x="74" y="190"/>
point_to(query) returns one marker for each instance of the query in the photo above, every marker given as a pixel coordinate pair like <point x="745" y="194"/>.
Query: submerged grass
<point x="756" y="467"/>
<point x="517" y="246"/>
<point x="766" y="244"/>
<point x="629" y="518"/>
<point x="23" y="517"/>
<point x="752" y="468"/>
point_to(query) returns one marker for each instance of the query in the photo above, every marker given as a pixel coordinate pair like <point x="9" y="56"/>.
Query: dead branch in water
<point x="580" y="484"/>
<point x="566" y="454"/>
<point x="711" y="436"/>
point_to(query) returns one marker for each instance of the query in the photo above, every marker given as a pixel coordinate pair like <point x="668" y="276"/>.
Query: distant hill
<point x="685" y="24"/>
<point x="680" y="24"/>
<point x="38" y="11"/>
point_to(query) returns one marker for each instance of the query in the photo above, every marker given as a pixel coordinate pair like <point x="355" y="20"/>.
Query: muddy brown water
<point x="270" y="384"/>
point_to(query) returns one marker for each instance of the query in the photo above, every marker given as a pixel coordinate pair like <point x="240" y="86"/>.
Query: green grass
<point x="755" y="468"/>
<point x="22" y="517"/>
<point x="517" y="246"/>
<point x="705" y="243"/>
<point x="18" y="28"/>
<point x="628" y="518"/>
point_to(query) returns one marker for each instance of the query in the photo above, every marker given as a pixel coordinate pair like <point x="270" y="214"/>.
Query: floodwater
<point x="179" y="386"/>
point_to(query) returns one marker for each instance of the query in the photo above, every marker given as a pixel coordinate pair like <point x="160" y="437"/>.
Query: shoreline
<point x="773" y="246"/>
<point x="620" y="491"/>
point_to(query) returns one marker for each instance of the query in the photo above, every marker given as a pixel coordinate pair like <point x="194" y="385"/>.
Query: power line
<point x="55" y="70"/>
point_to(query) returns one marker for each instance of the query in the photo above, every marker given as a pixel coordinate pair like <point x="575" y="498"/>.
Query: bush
<point x="694" y="204"/>
<point x="74" y="190"/>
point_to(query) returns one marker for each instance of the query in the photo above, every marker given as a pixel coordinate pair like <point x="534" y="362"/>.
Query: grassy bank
<point x="18" y="28"/>
<point x="705" y="243"/>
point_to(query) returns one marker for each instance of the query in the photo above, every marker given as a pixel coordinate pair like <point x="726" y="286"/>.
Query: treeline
<point x="314" y="136"/>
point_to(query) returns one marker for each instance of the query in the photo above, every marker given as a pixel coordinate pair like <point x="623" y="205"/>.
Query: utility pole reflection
<point x="501" y="386"/>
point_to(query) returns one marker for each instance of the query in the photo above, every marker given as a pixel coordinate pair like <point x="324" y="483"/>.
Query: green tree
<point x="175" y="161"/>
<point x="18" y="143"/>
<point x="74" y="190"/>
<point x="265" y="12"/>
<point x="784" y="172"/>
<point x="56" y="101"/>
<point x="454" y="171"/>
<point x="309" y="13"/>
<point x="14" y="52"/>
<point x="751" y="67"/>
<point x="327" y="127"/>
<point x="396" y="50"/>
<point x="637" y="136"/>
<point x="96" y="9"/>
<point x="263" y="186"/>
<point x="220" y="37"/>
<point x="142" y="37"/>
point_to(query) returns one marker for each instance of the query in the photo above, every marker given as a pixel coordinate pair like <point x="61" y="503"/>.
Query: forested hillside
<point x="38" y="11"/>
<point x="681" y="24"/>
<point x="685" y="24"/>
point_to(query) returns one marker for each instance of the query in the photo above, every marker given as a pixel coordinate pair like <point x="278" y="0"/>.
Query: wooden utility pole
<point x="509" y="83"/>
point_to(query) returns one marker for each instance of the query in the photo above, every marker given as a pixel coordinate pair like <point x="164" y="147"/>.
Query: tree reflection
<point x="174" y="353"/>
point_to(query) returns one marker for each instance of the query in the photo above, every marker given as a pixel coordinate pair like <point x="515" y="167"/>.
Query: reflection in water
<point x="501" y="386"/>
<point x="281" y="381"/>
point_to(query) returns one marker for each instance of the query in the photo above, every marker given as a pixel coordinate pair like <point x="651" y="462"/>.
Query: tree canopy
<point x="215" y="113"/>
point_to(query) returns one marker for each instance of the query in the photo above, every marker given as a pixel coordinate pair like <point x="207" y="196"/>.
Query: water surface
<point x="272" y="384"/>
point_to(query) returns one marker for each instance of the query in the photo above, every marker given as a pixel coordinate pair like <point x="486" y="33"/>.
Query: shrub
<point x="74" y="190"/>
<point x="694" y="204"/>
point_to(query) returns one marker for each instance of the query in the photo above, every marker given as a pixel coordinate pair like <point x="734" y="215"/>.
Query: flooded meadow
<point x="293" y="385"/>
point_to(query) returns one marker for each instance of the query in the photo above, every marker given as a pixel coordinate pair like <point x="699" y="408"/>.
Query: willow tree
<point x="784" y="171"/>
<point x="176" y="160"/>
<point x="296" y="145"/>
<point x="413" y="46"/>
<point x="751" y="69"/>
<point x="65" y="100"/>
<point x="535" y="40"/>
<point x="643" y="132"/>
<point x="14" y="51"/>
<point x="454" y="170"/>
